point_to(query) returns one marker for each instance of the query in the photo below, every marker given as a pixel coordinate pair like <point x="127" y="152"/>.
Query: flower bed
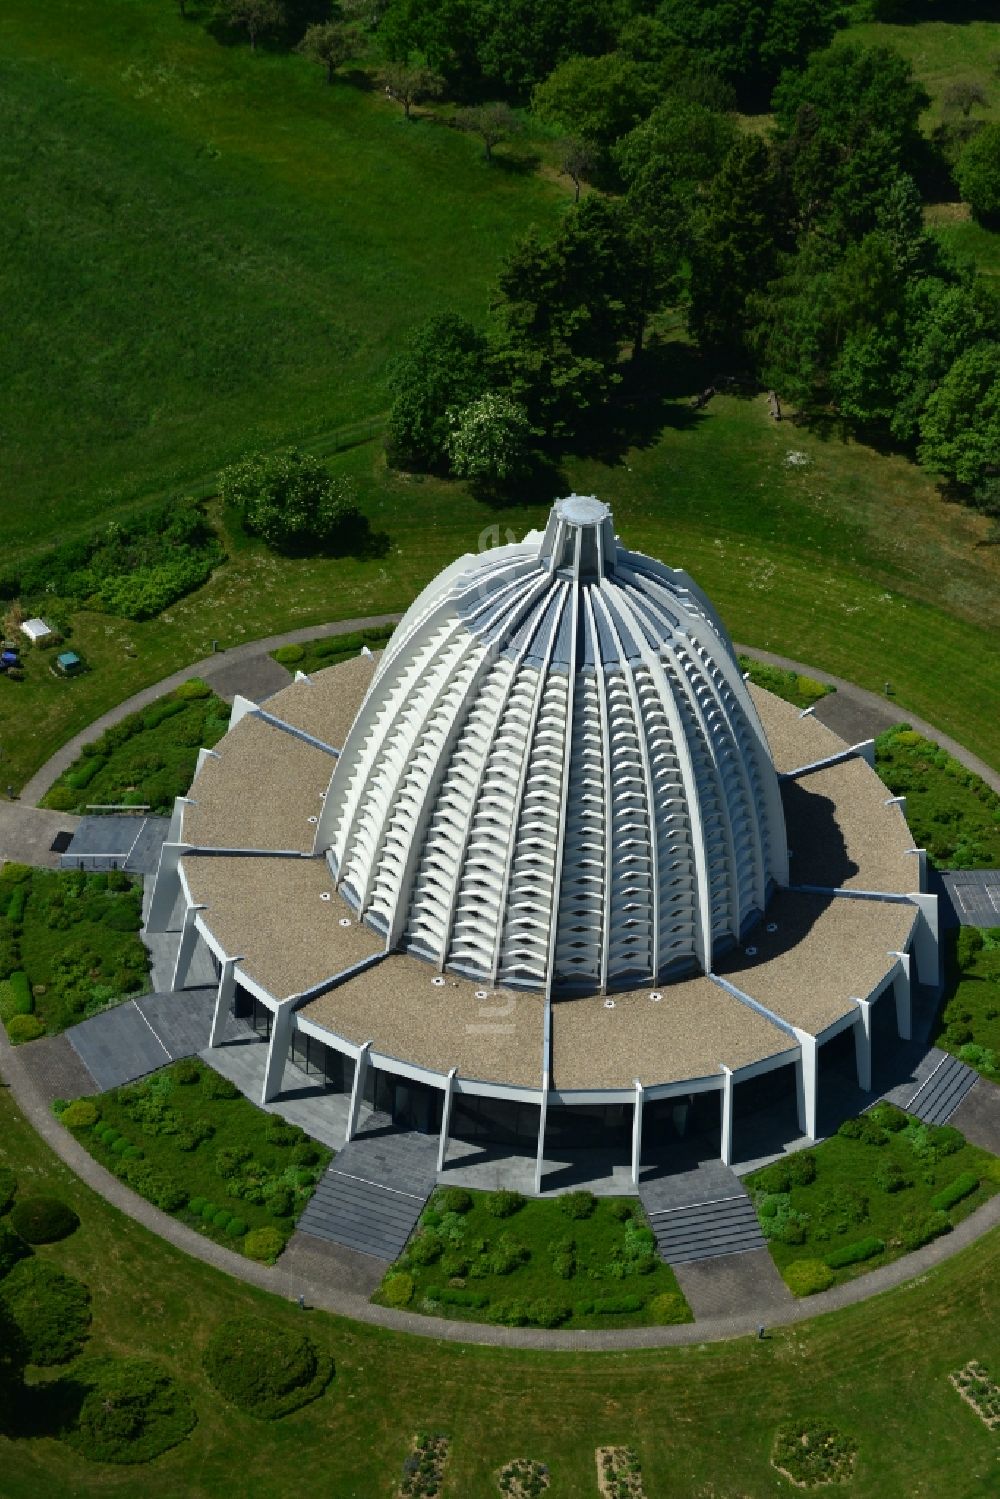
<point x="189" y="1142"/>
<point x="523" y="1478"/>
<point x="969" y="1024"/>
<point x="950" y="810"/>
<point x="423" y="1470"/>
<point x="977" y="1388"/>
<point x="69" y="947"/>
<point x="882" y="1186"/>
<point x="813" y="1455"/>
<point x="570" y="1261"/>
<point x="619" y="1473"/>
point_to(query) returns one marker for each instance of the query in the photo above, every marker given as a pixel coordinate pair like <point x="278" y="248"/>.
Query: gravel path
<point x="342" y="1299"/>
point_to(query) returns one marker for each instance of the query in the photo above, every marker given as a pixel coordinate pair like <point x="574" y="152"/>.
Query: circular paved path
<point x="865" y="712"/>
<point x="349" y="1303"/>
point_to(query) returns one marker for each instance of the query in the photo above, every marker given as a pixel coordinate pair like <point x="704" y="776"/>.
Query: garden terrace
<point x="951" y="810"/>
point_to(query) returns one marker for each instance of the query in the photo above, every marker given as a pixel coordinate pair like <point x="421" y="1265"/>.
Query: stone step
<point x="941" y="1093"/>
<point x="361" y="1215"/>
<point x="704" y="1230"/>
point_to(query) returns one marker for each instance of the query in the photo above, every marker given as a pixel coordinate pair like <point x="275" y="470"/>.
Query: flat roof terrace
<point x="325" y="704"/>
<point x="794" y="740"/>
<point x="844" y="832"/>
<point x="281" y="917"/>
<point x="825" y="951"/>
<point x="257" y="790"/>
<point x="398" y="1006"/>
<point x="690" y="1031"/>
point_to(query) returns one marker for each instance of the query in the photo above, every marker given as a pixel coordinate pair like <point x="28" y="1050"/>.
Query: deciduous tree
<point x="978" y="175"/>
<point x="493" y="123"/>
<point x="410" y="83"/>
<point x="256" y="18"/>
<point x="290" y="500"/>
<point x="443" y="368"/>
<point x="329" y="43"/>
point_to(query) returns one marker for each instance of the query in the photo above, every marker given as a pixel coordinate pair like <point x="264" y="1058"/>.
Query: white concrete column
<point x="185" y="948"/>
<point x="223" y="1000"/>
<point x="902" y="994"/>
<point x="540" y="1153"/>
<point x="357" y="1090"/>
<point x="863" y="1044"/>
<point x="726" y="1152"/>
<point x="637" y="1132"/>
<point x="177" y="819"/>
<point x="277" y="1052"/>
<point x="166" y="887"/>
<point x="807" y="1083"/>
<point x="449" y="1093"/>
<point x="866" y="751"/>
<point x="924" y="946"/>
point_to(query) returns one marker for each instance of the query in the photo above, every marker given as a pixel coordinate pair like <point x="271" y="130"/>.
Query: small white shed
<point x="36" y="630"/>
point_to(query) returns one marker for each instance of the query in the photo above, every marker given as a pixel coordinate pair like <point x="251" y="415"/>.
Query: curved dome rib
<point x="557" y="779"/>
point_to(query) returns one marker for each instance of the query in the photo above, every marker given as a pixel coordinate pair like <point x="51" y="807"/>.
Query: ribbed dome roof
<point x="558" y="779"/>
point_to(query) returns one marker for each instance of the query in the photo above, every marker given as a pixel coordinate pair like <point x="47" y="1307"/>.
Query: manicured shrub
<point x="119" y="1145"/>
<point x="505" y="1256"/>
<point x="222" y="1219"/>
<point x="51" y="1309"/>
<point x="196" y="1205"/>
<point x="8" y="1189"/>
<point x="888" y="1117"/>
<point x="855" y="1254"/>
<point x="230" y="1158"/>
<point x="43" y="1220"/>
<point x="288" y="655"/>
<point x="668" y="1307"/>
<point x="187" y="1071"/>
<point x="217" y="1086"/>
<point x="807" y="1277"/>
<point x="82" y="1114"/>
<point x="504" y="1203"/>
<point x="890" y="1176"/>
<point x="12" y="1249"/>
<point x="131" y="1411"/>
<point x="606" y="1306"/>
<point x="208" y="1211"/>
<point x="193" y="690"/>
<point x="16" y="998"/>
<point x="235" y="1228"/>
<point x="453" y="1200"/>
<point x="396" y="1289"/>
<point x="279" y="1132"/>
<point x="159" y="1188"/>
<point x="264" y="1244"/>
<point x="306" y="1153"/>
<point x="280" y="1202"/>
<point x="425" y="1247"/>
<point x="920" y="1228"/>
<point x="961" y="1187"/>
<point x="577" y="1204"/>
<point x="21" y="1028"/>
<point x="263" y="1368"/>
<point x="621" y="1208"/>
<point x="457" y="1296"/>
<point x="795" y="1170"/>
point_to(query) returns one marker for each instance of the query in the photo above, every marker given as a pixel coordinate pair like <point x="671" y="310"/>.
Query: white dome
<point x="558" y="780"/>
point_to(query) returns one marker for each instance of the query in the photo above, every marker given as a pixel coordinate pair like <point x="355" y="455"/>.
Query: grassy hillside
<point x="204" y="248"/>
<point x="878" y="1373"/>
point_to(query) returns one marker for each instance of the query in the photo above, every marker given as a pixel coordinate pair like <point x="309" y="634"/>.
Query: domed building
<point x="548" y="867"/>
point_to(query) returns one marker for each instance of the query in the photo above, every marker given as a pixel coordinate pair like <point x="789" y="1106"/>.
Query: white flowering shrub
<point x="290" y="500"/>
<point x="490" y="440"/>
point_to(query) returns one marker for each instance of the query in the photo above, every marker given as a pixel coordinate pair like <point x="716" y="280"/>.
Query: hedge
<point x="397" y="1288"/>
<point x="455" y="1296"/>
<point x="12" y="1250"/>
<point x="80" y="1114"/>
<point x="265" y="1369"/>
<point x="43" y="1220"/>
<point x="854" y="1254"/>
<point x="15" y="994"/>
<point x="22" y="1028"/>
<point x="807" y="1277"/>
<point x="264" y="1244"/>
<point x="131" y="1410"/>
<point x="961" y="1187"/>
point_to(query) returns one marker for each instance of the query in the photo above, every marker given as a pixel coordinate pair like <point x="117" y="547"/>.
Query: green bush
<point x="453" y="1200"/>
<point x="263" y="1368"/>
<point x="15" y="993"/>
<point x="43" y="1220"/>
<point x="668" y="1307"/>
<point x="235" y="1228"/>
<point x="12" y="1249"/>
<point x="425" y="1247"/>
<point x="195" y="1206"/>
<point x="968" y="946"/>
<point x="219" y="1087"/>
<point x="131" y="1411"/>
<point x="280" y="1202"/>
<point x="81" y="1114"/>
<point x="962" y="1186"/>
<point x="855" y="1254"/>
<point x="888" y="1117"/>
<point x="187" y="1071"/>
<point x="8" y="1189"/>
<point x="505" y="1256"/>
<point x="306" y="1153"/>
<point x="920" y="1228"/>
<point x="194" y="689"/>
<point x="264" y="1244"/>
<point x="51" y="1309"/>
<point x="621" y="1208"/>
<point x="208" y="1210"/>
<point x="222" y="1219"/>
<point x="605" y="1306"/>
<point x="504" y="1203"/>
<point x="21" y="1028"/>
<point x="795" y="1170"/>
<point x="288" y="655"/>
<point x="808" y="1277"/>
<point x="396" y="1289"/>
<point x="890" y="1176"/>
<point x="577" y="1204"/>
<point x="291" y="500"/>
<point x="456" y="1296"/>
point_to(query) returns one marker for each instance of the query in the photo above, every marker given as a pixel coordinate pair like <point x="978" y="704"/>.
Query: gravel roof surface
<point x="842" y="833"/>
<point x="826" y="951"/>
<point x="325" y="706"/>
<point x="269" y="912"/>
<point x="259" y="792"/>
<point x="398" y="1007"/>
<point x="794" y="741"/>
<point x="690" y="1032"/>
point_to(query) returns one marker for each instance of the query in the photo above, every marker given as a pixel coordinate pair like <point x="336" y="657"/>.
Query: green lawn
<point x="190" y="1142"/>
<point x="75" y="936"/>
<point x="572" y="1261"/>
<point x="940" y="53"/>
<point x="878" y="1372"/>
<point x="148" y="758"/>
<point x="876" y="1185"/>
<point x="205" y="249"/>
<point x="950" y="810"/>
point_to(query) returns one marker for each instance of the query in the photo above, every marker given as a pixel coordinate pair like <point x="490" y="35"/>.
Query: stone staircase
<point x="361" y="1215"/>
<point x="941" y="1092"/>
<point x="704" y="1230"/>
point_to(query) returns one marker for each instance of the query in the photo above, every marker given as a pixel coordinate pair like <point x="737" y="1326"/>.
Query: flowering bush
<point x="489" y="441"/>
<point x="290" y="500"/>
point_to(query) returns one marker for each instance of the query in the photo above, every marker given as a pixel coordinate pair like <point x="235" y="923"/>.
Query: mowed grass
<point x="702" y="1418"/>
<point x="941" y="53"/>
<point x="205" y="249"/>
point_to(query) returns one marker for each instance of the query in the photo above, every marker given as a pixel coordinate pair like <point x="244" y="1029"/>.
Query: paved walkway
<point x="348" y="1302"/>
<point x="974" y="896"/>
<point x="138" y="1037"/>
<point x="26" y="834"/>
